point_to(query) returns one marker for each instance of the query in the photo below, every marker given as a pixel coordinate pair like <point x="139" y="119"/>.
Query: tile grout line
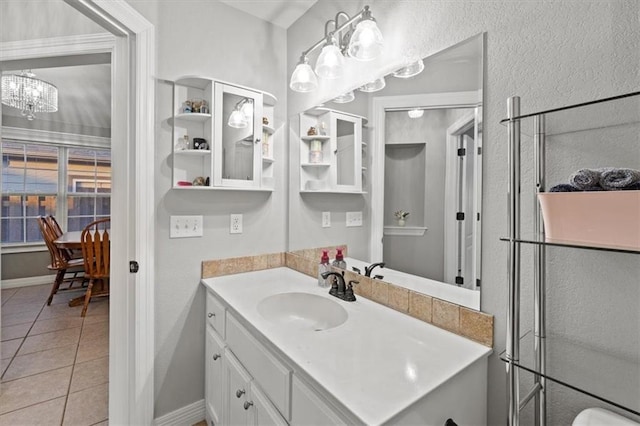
<point x="73" y="368"/>
<point x="21" y="343"/>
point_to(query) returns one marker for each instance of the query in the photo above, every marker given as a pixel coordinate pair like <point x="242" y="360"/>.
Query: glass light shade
<point x="303" y="79"/>
<point x="374" y="85"/>
<point x="415" y="113"/>
<point x="366" y="42"/>
<point x="410" y="70"/>
<point x="345" y="98"/>
<point x="330" y="62"/>
<point x="237" y="120"/>
<point x="29" y="94"/>
<point x="247" y="109"/>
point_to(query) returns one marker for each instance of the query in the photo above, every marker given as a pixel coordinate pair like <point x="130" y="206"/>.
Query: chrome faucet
<point x="339" y="289"/>
<point x="369" y="269"/>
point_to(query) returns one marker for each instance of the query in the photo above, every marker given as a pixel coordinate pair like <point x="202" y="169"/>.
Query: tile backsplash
<point x="463" y="321"/>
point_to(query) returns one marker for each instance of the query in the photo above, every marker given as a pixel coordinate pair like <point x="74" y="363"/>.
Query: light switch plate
<point x="326" y="219"/>
<point x="354" y="219"/>
<point x="185" y="226"/>
<point x="235" y="224"/>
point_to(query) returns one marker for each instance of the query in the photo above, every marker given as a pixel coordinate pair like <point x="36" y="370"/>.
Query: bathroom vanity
<point x="280" y="350"/>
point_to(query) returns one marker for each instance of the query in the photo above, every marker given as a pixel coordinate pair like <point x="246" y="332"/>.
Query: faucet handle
<point x="348" y="293"/>
<point x="378" y="277"/>
<point x="356" y="270"/>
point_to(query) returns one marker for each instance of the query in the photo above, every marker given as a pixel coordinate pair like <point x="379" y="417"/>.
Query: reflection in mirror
<point x="345" y="152"/>
<point x="237" y="137"/>
<point x="421" y="154"/>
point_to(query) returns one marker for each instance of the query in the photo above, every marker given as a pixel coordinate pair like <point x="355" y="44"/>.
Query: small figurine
<point x="204" y="109"/>
<point x="199" y="181"/>
<point x="312" y="131"/>
<point x="265" y="121"/>
<point x="187" y="107"/>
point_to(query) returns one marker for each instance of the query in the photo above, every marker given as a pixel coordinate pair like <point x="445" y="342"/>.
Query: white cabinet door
<point x="238" y="407"/>
<point x="263" y="411"/>
<point x="238" y="134"/>
<point x="346" y="159"/>
<point x="214" y="377"/>
<point x="308" y="409"/>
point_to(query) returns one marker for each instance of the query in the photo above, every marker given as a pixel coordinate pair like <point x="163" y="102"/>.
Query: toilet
<point x="601" y="417"/>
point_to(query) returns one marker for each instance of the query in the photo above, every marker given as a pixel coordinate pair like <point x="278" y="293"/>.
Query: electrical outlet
<point x="235" y="224"/>
<point x="326" y="219"/>
<point x="354" y="219"/>
<point x="185" y="226"/>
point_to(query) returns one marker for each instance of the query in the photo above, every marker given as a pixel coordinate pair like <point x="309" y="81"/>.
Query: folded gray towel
<point x="613" y="179"/>
<point x="585" y="178"/>
<point x="563" y="187"/>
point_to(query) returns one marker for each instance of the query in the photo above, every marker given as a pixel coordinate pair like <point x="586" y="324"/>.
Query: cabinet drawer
<point x="215" y="314"/>
<point x="273" y="377"/>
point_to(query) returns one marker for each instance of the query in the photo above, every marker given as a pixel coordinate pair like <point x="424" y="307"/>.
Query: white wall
<point x="208" y="39"/>
<point x="550" y="54"/>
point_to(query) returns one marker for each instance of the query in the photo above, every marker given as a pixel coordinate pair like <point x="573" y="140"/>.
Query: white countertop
<point x="377" y="363"/>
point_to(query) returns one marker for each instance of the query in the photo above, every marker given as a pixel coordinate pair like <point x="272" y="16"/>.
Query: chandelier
<point x="29" y="94"/>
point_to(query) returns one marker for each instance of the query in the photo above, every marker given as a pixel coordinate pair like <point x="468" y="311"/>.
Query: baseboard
<point x="187" y="415"/>
<point x="28" y="281"/>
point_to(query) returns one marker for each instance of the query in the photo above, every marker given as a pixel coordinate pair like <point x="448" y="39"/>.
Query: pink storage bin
<point x="600" y="217"/>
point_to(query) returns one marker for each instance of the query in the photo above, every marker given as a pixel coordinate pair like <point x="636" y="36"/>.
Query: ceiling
<point x="84" y="96"/>
<point x="282" y="13"/>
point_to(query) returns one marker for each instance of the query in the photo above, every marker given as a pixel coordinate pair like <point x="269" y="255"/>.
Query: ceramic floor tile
<point x="95" y="331"/>
<point x="63" y="297"/>
<point x="16" y="308"/>
<point x="34" y="389"/>
<point x="59" y="310"/>
<point x="95" y="319"/>
<point x="92" y="348"/>
<point x="42" y="414"/>
<point x="98" y="307"/>
<point x="87" y="407"/>
<point x="17" y="331"/>
<point x="54" y="339"/>
<point x="39" y="362"/>
<point x="55" y="324"/>
<point x="105" y="423"/>
<point x="90" y="373"/>
<point x="3" y="365"/>
<point x="19" y="318"/>
<point x="10" y="347"/>
<point x="7" y="294"/>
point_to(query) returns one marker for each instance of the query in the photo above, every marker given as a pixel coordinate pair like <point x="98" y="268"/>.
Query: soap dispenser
<point x="339" y="260"/>
<point x="322" y="268"/>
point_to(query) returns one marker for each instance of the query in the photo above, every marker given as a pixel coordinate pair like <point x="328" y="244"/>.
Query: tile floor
<point x="55" y="364"/>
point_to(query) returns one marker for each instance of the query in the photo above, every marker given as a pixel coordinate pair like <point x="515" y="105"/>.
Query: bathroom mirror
<point x="421" y="154"/>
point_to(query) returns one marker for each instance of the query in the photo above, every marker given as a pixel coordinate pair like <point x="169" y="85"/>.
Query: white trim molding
<point x="187" y="415"/>
<point x="58" y="46"/>
<point x="70" y="139"/>
<point x="27" y="282"/>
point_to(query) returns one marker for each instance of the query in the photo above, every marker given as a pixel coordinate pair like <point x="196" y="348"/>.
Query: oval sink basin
<point x="302" y="311"/>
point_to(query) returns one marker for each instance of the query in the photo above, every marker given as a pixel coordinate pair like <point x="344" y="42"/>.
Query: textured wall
<point x="549" y="53"/>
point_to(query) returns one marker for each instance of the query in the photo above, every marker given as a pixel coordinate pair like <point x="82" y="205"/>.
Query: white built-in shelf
<point x="268" y="129"/>
<point x="267" y="160"/>
<point x="193" y="152"/>
<point x="315" y="165"/>
<point x="222" y="188"/>
<point x="193" y="116"/>
<point x="316" y="138"/>
<point x="407" y="231"/>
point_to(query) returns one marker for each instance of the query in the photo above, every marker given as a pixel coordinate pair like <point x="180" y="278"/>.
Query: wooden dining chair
<point x="55" y="226"/>
<point x="95" y="252"/>
<point x="68" y="270"/>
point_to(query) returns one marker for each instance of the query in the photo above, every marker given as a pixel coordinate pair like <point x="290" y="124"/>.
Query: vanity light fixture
<point x="410" y="70"/>
<point x="242" y="113"/>
<point x="344" y="98"/>
<point x="363" y="43"/>
<point x="373" y="86"/>
<point x="29" y="94"/>
<point x="415" y="113"/>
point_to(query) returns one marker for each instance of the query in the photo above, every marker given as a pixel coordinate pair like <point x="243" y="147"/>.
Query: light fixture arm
<point x="365" y="12"/>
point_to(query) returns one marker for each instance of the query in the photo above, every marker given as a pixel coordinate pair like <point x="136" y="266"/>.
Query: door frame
<point x="379" y="107"/>
<point x="131" y="340"/>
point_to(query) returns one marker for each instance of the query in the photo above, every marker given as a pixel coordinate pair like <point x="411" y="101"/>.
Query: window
<point x="71" y="183"/>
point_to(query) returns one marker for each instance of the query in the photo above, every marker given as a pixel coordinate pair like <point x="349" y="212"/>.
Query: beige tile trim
<point x="465" y="322"/>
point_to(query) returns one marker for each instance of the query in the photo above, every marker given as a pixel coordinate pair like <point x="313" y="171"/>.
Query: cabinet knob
<point x="211" y="314"/>
<point x="247" y="404"/>
<point x="257" y="140"/>
<point x="216" y="356"/>
<point x="239" y="393"/>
